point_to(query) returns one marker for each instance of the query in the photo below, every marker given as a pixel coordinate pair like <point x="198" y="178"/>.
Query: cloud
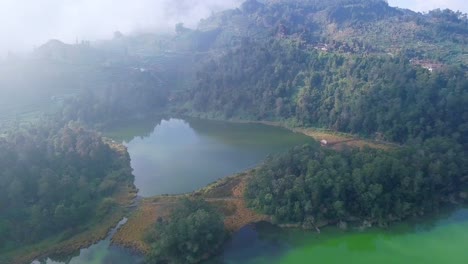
<point x="426" y="5"/>
<point x="26" y="23"/>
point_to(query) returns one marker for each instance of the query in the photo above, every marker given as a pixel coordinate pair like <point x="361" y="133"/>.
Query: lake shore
<point x="336" y="140"/>
<point x="65" y="243"/>
<point x="226" y="194"/>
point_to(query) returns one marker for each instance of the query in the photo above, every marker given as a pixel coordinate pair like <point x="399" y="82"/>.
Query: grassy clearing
<point x="132" y="234"/>
<point x="226" y="194"/>
<point x="336" y="140"/>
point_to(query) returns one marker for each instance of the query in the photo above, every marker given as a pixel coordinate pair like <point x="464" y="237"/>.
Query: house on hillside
<point x="427" y="64"/>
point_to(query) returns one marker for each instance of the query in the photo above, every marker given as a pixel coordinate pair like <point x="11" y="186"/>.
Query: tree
<point x="194" y="231"/>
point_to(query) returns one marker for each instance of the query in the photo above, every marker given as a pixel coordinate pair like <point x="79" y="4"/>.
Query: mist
<point x="426" y="5"/>
<point x="25" y="24"/>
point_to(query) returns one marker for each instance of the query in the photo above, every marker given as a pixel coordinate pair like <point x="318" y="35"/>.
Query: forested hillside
<point x="373" y="96"/>
<point x="55" y="179"/>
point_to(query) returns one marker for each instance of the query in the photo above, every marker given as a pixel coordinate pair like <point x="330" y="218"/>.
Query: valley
<point x="275" y="132"/>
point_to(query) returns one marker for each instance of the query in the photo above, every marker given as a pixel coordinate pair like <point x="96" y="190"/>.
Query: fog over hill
<point x="25" y="24"/>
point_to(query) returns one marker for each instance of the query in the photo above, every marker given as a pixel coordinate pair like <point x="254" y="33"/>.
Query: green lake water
<point x="440" y="241"/>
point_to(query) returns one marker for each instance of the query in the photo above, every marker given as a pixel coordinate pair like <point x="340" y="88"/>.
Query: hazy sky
<point x="28" y="23"/>
<point x="425" y="5"/>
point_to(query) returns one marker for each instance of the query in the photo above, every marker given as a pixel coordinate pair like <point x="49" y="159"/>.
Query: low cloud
<point x="28" y="23"/>
<point x="426" y="5"/>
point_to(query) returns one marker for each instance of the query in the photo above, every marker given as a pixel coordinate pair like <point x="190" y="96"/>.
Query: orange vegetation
<point x="237" y="215"/>
<point x="132" y="234"/>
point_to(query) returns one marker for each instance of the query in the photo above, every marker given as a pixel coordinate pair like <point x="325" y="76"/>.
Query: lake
<point x="177" y="156"/>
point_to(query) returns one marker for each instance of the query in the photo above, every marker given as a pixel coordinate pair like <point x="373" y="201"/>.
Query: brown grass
<point x="236" y="213"/>
<point x="226" y="194"/>
<point x="132" y="234"/>
<point x="336" y="140"/>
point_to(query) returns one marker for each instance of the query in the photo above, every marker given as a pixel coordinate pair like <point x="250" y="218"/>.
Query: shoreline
<point x="130" y="235"/>
<point x="87" y="235"/>
<point x="226" y="194"/>
<point x="334" y="138"/>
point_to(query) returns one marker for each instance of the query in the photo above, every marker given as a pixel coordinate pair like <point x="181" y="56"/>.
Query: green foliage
<point x="364" y="95"/>
<point x="194" y="231"/>
<point x="313" y="184"/>
<point x="50" y="180"/>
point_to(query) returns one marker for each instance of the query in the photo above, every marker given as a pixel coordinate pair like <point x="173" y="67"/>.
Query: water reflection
<point x="180" y="156"/>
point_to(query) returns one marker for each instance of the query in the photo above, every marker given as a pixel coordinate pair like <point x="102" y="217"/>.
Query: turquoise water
<point x="441" y="241"/>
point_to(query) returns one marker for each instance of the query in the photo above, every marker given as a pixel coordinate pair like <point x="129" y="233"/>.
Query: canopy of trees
<point x="356" y="94"/>
<point x="194" y="231"/>
<point x="311" y="184"/>
<point x="55" y="179"/>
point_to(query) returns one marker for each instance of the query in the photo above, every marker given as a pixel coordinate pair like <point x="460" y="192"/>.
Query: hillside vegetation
<point x="55" y="180"/>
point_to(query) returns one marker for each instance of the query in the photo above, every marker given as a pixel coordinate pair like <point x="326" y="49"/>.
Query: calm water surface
<point x="178" y="156"/>
<point x="440" y="241"/>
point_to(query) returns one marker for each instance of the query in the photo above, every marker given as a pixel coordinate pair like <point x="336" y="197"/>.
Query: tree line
<point x="315" y="186"/>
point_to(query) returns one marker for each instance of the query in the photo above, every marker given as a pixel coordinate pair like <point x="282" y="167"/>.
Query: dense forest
<point x="55" y="178"/>
<point x="372" y="96"/>
<point x="316" y="186"/>
<point x="194" y="231"/>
